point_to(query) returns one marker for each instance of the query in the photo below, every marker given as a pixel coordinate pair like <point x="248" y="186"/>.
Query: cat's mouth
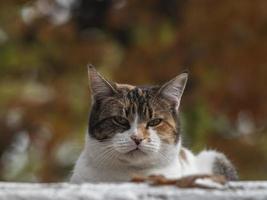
<point x="137" y="150"/>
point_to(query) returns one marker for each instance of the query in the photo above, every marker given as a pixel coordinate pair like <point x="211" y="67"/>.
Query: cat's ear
<point x="173" y="90"/>
<point x="100" y="87"/>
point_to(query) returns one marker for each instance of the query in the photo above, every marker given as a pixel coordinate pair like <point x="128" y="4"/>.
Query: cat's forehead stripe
<point x="139" y="103"/>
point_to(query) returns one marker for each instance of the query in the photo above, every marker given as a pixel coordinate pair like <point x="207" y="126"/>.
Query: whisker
<point x="105" y="157"/>
<point x="125" y="148"/>
<point x="165" y="157"/>
<point x="126" y="145"/>
<point x="104" y="151"/>
<point x="150" y="145"/>
<point x="113" y="158"/>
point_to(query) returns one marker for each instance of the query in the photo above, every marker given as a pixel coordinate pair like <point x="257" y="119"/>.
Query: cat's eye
<point x="120" y="121"/>
<point x="154" y="122"/>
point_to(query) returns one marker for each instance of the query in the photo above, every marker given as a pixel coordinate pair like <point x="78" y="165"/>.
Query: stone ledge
<point x="129" y="191"/>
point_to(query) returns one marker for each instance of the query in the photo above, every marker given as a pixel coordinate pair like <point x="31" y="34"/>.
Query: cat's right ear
<point x="99" y="86"/>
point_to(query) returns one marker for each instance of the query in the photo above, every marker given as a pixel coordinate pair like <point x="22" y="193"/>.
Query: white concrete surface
<point x="129" y="191"/>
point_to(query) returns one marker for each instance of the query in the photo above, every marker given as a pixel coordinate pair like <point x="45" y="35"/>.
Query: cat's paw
<point x="216" y="163"/>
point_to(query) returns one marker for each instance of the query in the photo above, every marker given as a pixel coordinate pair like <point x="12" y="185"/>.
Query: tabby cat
<point x="135" y="130"/>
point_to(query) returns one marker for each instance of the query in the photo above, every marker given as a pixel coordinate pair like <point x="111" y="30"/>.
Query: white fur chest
<point x="86" y="171"/>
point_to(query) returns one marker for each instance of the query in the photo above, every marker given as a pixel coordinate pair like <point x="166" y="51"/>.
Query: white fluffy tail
<point x="213" y="162"/>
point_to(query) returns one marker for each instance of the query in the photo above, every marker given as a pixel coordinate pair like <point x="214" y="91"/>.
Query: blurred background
<point x="45" y="46"/>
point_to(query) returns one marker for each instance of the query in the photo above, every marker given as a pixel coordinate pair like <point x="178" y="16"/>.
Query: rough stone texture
<point x="129" y="191"/>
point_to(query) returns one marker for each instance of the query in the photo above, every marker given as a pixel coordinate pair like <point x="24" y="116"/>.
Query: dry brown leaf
<point x="184" y="182"/>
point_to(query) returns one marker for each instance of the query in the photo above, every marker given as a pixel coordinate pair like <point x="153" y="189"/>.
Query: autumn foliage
<point x="45" y="46"/>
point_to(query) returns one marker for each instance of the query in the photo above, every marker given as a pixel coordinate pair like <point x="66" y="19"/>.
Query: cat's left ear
<point x="173" y="90"/>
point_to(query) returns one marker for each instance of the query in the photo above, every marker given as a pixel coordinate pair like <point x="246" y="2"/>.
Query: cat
<point x="135" y="130"/>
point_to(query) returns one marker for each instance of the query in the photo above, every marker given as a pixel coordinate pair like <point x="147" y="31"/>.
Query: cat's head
<point x="137" y="122"/>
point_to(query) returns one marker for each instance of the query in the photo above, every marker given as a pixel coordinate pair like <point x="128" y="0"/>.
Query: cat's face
<point x="134" y="123"/>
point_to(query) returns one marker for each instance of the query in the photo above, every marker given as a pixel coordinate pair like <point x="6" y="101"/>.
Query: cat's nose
<point x="136" y="139"/>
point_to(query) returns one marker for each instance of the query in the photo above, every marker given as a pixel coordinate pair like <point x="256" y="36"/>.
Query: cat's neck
<point x="89" y="172"/>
